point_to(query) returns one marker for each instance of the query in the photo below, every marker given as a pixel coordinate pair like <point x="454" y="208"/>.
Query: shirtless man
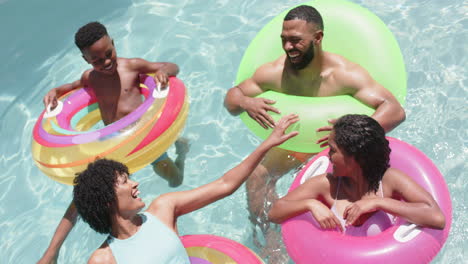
<point x="115" y="82"/>
<point x="305" y="70"/>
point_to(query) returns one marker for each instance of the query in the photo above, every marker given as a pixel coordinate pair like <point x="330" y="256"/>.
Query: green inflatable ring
<point x="351" y="31"/>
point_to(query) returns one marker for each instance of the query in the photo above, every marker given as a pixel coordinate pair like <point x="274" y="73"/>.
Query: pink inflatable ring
<point x="401" y="243"/>
<point x="210" y="249"/>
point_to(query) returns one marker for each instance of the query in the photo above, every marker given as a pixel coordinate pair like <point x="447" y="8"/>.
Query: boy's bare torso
<point x="117" y="94"/>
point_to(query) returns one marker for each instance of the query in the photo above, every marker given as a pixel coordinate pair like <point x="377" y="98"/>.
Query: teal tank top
<point x="153" y="243"/>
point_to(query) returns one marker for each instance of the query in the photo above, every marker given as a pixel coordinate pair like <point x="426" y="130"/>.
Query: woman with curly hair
<point x="108" y="200"/>
<point x="362" y="185"/>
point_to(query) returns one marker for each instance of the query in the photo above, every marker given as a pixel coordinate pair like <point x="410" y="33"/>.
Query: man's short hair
<point x="306" y="13"/>
<point x="88" y="34"/>
<point x="94" y="193"/>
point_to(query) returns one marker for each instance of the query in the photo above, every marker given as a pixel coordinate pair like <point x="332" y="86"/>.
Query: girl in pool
<point x="108" y="200"/>
<point x="361" y="186"/>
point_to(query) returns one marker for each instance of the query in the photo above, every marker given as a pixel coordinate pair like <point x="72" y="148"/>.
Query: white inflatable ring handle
<point x="319" y="167"/>
<point x="51" y="113"/>
<point x="406" y="232"/>
<point x="158" y="93"/>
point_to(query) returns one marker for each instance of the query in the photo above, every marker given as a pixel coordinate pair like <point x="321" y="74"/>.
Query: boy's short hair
<point x="88" y="34"/>
<point x="94" y="193"/>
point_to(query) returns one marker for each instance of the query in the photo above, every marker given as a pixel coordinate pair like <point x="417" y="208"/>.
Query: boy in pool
<point x="115" y="82"/>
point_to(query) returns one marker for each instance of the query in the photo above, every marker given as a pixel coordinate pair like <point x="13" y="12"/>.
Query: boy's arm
<point x="54" y="93"/>
<point x="161" y="70"/>
<point x="61" y="233"/>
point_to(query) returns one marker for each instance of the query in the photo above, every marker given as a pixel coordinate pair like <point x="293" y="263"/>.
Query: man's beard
<point x="306" y="58"/>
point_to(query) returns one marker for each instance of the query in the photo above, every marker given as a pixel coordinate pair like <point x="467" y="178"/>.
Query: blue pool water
<point x="207" y="41"/>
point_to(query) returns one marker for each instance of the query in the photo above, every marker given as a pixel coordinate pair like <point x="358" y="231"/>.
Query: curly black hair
<point x="88" y="34"/>
<point x="94" y="194"/>
<point x="362" y="138"/>
<point x="306" y="13"/>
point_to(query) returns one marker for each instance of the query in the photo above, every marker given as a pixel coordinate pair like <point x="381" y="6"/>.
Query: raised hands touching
<point x="278" y="136"/>
<point x="323" y="141"/>
<point x="258" y="108"/>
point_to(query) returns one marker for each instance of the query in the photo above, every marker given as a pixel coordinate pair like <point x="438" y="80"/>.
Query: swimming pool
<point x="207" y="42"/>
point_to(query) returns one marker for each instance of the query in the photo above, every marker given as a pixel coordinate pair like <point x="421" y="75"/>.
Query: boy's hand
<point x="161" y="77"/>
<point x="277" y="136"/>
<point x="50" y="98"/>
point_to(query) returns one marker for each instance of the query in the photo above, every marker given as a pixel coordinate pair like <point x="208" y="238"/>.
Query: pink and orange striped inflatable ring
<point x="65" y="143"/>
<point x="210" y="249"/>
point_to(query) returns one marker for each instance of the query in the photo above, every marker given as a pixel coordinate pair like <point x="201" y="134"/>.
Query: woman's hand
<point x="325" y="217"/>
<point x="277" y="136"/>
<point x="354" y="211"/>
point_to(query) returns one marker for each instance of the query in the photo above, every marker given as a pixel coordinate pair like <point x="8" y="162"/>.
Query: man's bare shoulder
<point x="102" y="255"/>
<point x="338" y="62"/>
<point x="345" y="73"/>
<point x="270" y="72"/>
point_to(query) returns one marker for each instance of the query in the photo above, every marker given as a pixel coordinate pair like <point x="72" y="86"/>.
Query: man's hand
<point x="50" y="98"/>
<point x="161" y="77"/>
<point x="324" y="140"/>
<point x="277" y="136"/>
<point x="257" y="109"/>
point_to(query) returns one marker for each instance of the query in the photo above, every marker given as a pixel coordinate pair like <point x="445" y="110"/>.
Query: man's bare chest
<point x="320" y="87"/>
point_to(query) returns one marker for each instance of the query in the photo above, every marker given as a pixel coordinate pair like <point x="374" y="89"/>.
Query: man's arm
<point x="169" y="206"/>
<point x="240" y="98"/>
<point x="357" y="82"/>
<point x="61" y="233"/>
<point x="161" y="70"/>
<point x="388" y="111"/>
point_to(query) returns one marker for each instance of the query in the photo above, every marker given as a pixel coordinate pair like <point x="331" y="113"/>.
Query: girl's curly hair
<point x="363" y="138"/>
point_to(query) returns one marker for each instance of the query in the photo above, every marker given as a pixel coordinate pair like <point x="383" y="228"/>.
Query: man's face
<point x="298" y="42"/>
<point x="102" y="55"/>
